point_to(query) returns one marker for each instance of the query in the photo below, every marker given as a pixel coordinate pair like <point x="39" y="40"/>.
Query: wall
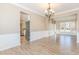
<point x="37" y="27"/>
<point x="9" y="19"/>
<point x="78" y="27"/>
<point x="38" y="24"/>
<point x="9" y="26"/>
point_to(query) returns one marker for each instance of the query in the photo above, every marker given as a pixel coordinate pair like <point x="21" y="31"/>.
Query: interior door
<point x="27" y="30"/>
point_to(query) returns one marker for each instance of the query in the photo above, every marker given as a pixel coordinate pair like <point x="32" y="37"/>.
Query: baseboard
<point x="9" y="41"/>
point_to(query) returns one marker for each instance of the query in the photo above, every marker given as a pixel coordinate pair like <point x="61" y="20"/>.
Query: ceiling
<point x="58" y="7"/>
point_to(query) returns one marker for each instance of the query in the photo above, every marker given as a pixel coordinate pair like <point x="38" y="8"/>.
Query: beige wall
<point x="9" y="19"/>
<point x="37" y="23"/>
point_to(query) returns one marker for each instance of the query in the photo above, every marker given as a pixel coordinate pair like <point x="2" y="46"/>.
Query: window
<point x="67" y="26"/>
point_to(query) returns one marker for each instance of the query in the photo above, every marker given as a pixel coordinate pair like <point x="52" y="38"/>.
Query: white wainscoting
<point x="77" y="37"/>
<point x="40" y="34"/>
<point x="64" y="32"/>
<point x="9" y="40"/>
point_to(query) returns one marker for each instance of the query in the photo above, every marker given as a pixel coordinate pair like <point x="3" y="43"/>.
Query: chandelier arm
<point x="50" y="13"/>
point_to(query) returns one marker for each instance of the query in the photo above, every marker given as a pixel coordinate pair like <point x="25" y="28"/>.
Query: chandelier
<point x="49" y="13"/>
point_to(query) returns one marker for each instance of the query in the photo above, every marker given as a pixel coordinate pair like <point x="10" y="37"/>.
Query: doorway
<point x="24" y="28"/>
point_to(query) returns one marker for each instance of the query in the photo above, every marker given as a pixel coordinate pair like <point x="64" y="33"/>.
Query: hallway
<point x="62" y="45"/>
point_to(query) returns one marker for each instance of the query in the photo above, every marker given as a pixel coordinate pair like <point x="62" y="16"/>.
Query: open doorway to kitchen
<point x="24" y="28"/>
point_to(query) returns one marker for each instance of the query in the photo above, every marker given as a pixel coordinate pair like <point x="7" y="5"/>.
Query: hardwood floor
<point x="23" y="40"/>
<point x="58" y="45"/>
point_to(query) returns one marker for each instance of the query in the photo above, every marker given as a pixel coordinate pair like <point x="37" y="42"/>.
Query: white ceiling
<point x="58" y="7"/>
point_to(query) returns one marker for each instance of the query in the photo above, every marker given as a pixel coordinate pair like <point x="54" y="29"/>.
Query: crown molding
<point x="28" y="9"/>
<point x="72" y="11"/>
<point x="41" y="14"/>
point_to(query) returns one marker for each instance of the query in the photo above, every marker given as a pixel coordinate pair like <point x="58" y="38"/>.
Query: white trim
<point x="40" y="34"/>
<point x="9" y="40"/>
<point x="67" y="11"/>
<point x="36" y="12"/>
<point x="28" y="9"/>
<point x="77" y="37"/>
